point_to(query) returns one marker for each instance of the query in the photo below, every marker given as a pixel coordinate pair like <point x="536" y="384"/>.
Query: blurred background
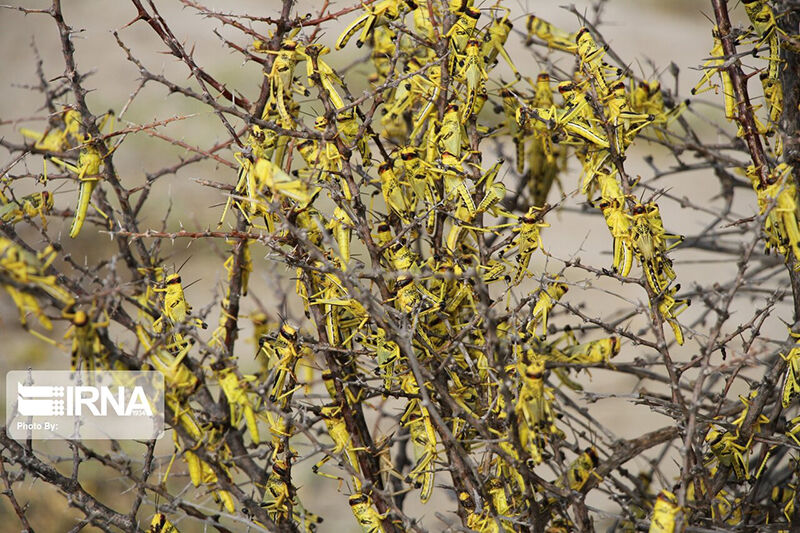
<point x="649" y="34"/>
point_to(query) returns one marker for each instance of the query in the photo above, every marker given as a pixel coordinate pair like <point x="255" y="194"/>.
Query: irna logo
<point x="37" y="400"/>
<point x="84" y="405"/>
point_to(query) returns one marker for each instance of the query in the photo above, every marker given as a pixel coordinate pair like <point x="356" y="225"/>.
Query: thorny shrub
<point x="411" y="217"/>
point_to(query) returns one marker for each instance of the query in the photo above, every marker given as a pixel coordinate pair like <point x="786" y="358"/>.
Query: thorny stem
<point x="744" y="113"/>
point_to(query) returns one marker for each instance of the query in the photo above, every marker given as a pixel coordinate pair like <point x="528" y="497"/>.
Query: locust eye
<point x="288" y="332"/>
<point x="356" y="500"/>
<point x="592" y="453"/>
